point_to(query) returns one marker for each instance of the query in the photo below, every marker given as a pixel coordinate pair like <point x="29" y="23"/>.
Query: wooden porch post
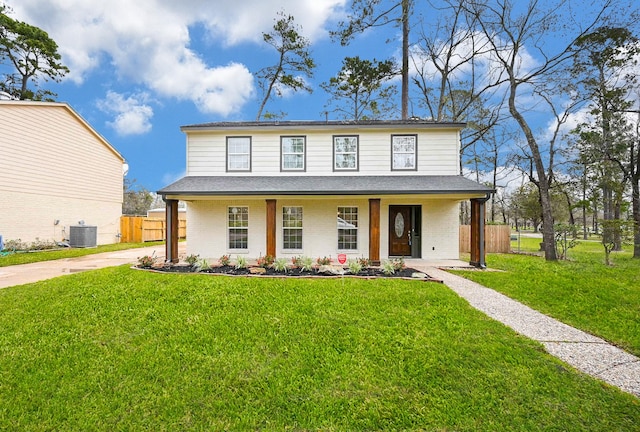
<point x="374" y="231"/>
<point x="171" y="244"/>
<point x="271" y="227"/>
<point x="478" y="255"/>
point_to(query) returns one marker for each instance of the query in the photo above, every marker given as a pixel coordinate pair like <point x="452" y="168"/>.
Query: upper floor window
<point x="292" y="227"/>
<point x="345" y="153"/>
<point x="238" y="153"/>
<point x="404" y="151"/>
<point x="292" y="153"/>
<point x="238" y="227"/>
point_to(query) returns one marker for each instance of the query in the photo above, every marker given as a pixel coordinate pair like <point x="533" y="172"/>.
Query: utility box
<point x="83" y="236"/>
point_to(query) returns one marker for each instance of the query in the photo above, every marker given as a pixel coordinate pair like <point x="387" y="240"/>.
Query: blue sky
<point x="141" y="69"/>
<point x="140" y="72"/>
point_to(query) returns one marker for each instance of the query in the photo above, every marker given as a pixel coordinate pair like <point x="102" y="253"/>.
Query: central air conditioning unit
<point x="83" y="236"/>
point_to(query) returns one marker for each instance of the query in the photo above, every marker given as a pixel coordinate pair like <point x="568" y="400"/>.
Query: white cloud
<point x="132" y="114"/>
<point x="148" y="42"/>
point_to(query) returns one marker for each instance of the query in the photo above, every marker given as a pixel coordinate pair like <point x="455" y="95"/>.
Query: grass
<point x="582" y="292"/>
<point x="120" y="349"/>
<point x="54" y="254"/>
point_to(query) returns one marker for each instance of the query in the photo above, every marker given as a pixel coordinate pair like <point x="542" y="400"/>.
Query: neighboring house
<point x="161" y="213"/>
<point x="374" y="189"/>
<point x="55" y="172"/>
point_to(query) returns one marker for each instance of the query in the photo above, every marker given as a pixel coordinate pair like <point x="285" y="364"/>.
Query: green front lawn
<point x="582" y="292"/>
<point x="120" y="349"/>
<point x="10" y="258"/>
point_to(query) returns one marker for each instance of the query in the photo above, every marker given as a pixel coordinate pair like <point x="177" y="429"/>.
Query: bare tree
<point x="294" y="61"/>
<point x="511" y="30"/>
<point x="451" y="64"/>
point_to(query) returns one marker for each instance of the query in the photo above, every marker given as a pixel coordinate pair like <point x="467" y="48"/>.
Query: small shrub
<point x="398" y="264"/>
<point x="305" y="263"/>
<point x="565" y="239"/>
<point x="354" y="266"/>
<point x="364" y="262"/>
<point x="224" y="260"/>
<point x="388" y="268"/>
<point x="36" y="245"/>
<point x="295" y="261"/>
<point x="202" y="265"/>
<point x="265" y="261"/>
<point x="241" y="262"/>
<point x="324" y="261"/>
<point x="14" y="245"/>
<point x="280" y="265"/>
<point x="192" y="259"/>
<point x="147" y="261"/>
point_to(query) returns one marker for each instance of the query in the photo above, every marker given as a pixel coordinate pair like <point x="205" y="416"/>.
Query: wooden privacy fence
<point x="497" y="238"/>
<point x="138" y="229"/>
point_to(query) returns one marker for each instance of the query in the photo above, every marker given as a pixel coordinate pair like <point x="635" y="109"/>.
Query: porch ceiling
<point x="203" y="186"/>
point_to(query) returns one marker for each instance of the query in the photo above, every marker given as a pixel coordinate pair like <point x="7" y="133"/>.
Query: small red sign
<point x="342" y="258"/>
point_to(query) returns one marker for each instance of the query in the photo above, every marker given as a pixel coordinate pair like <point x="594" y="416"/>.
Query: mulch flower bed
<point x="322" y="271"/>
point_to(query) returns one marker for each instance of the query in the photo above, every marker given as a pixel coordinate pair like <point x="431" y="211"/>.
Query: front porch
<point x="383" y="228"/>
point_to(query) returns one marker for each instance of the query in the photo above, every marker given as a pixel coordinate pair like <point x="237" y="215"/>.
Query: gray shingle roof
<point x="323" y="185"/>
<point x="315" y="124"/>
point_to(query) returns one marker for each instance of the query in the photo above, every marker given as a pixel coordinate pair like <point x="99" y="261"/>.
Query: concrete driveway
<point x="29" y="273"/>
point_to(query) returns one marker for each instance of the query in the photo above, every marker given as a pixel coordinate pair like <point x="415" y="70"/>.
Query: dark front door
<point x="400" y="231"/>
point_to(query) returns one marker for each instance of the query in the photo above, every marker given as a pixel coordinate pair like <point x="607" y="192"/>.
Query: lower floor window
<point x="348" y="228"/>
<point x="238" y="227"/>
<point x="292" y="227"/>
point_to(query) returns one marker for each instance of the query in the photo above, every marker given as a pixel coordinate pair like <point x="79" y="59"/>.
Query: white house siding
<point x="207" y="228"/>
<point x="437" y="152"/>
<point x="54" y="167"/>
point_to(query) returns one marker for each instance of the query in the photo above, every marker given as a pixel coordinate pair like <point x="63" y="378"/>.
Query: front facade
<point x="378" y="189"/>
<point x="56" y="171"/>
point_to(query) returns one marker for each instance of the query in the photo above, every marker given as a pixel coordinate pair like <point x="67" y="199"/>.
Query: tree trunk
<point x="405" y="59"/>
<point x="548" y="235"/>
<point x="585" y="236"/>
<point x="635" y="205"/>
<point x="617" y="214"/>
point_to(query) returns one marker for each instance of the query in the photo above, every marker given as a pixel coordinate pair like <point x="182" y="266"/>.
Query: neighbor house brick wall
<point x="54" y="166"/>
<point x="33" y="216"/>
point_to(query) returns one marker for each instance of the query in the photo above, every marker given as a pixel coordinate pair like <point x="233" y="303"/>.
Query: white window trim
<point x="357" y="153"/>
<point x="228" y="159"/>
<point x="301" y="229"/>
<point x="304" y="153"/>
<point x="357" y="246"/>
<point x="414" y="153"/>
<point x="229" y="228"/>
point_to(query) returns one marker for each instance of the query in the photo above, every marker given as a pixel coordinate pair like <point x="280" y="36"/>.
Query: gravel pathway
<point x="581" y="350"/>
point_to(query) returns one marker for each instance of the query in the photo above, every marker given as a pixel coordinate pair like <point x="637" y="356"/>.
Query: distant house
<point x="161" y="213"/>
<point x="374" y="189"/>
<point x="56" y="172"/>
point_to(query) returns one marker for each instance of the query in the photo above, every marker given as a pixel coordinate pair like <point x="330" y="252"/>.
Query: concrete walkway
<point x="585" y="352"/>
<point x="29" y="273"/>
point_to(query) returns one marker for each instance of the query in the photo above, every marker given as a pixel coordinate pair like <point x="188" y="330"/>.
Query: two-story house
<point x="374" y="189"/>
